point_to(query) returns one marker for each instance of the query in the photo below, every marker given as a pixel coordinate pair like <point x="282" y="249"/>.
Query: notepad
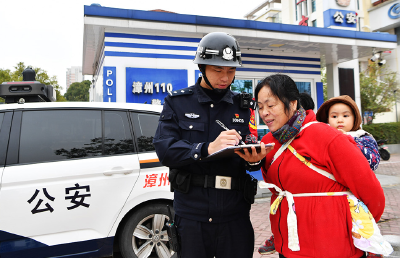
<point x="229" y="151"/>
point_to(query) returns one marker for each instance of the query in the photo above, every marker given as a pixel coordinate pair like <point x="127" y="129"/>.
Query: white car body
<point x="88" y="197"/>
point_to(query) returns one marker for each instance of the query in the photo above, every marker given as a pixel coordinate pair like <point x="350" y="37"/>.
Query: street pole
<point x="395" y="105"/>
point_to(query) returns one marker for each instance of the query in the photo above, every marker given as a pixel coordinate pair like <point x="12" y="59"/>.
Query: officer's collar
<point x="204" y="98"/>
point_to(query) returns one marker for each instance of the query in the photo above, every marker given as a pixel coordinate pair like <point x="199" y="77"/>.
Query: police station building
<point x="139" y="56"/>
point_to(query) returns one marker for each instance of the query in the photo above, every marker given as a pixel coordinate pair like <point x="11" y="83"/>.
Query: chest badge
<point x="192" y="115"/>
<point x="237" y="119"/>
<point x="227" y="54"/>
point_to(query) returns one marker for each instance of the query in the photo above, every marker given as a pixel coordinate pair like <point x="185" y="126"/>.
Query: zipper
<point x="210" y="124"/>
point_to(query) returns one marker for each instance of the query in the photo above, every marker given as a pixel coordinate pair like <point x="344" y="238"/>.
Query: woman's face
<point x="272" y="109"/>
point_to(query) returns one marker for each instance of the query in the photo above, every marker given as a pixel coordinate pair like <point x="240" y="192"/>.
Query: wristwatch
<point x="254" y="163"/>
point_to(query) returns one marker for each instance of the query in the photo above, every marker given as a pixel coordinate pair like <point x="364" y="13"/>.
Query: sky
<point x="49" y="33"/>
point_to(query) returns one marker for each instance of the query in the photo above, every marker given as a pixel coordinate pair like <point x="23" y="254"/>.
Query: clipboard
<point x="230" y="151"/>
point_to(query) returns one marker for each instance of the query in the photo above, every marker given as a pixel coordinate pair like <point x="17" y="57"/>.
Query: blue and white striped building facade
<point x="138" y="56"/>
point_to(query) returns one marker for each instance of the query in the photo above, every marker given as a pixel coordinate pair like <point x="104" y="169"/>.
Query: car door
<point x="65" y="181"/>
<point x="145" y="212"/>
<point x="4" y="134"/>
<point x="153" y="176"/>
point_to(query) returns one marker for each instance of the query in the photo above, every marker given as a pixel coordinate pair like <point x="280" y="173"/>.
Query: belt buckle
<point x="223" y="182"/>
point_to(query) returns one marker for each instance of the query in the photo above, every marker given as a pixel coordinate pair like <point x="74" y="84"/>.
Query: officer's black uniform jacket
<point x="178" y="141"/>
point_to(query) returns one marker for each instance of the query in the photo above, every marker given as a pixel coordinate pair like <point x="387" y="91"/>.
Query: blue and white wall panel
<point x="257" y="65"/>
<point x="96" y="93"/>
<point x="124" y="50"/>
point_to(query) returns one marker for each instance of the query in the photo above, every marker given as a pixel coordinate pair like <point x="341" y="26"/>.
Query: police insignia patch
<point x="237" y="120"/>
<point x="192" y="115"/>
<point x="227" y="54"/>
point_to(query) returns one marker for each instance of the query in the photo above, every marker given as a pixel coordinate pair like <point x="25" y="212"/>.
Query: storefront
<point x="386" y="19"/>
<point x="139" y="56"/>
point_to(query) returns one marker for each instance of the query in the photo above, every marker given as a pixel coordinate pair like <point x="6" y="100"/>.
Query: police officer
<point x="212" y="198"/>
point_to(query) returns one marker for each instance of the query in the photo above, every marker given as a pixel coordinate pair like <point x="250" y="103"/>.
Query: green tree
<point x="5" y="76"/>
<point x="78" y="91"/>
<point x="377" y="86"/>
<point x="324" y="83"/>
<point x="16" y="76"/>
<point x="41" y="76"/>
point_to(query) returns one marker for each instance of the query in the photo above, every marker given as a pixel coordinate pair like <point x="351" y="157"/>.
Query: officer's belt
<point x="218" y="182"/>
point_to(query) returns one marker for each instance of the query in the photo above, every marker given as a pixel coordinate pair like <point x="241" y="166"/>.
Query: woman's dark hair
<point x="306" y="101"/>
<point x="281" y="86"/>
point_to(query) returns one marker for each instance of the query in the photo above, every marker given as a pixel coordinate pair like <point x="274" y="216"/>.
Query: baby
<point x="342" y="113"/>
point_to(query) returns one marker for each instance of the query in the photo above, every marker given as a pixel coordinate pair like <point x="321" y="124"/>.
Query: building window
<point x="276" y="18"/>
<point x="397" y="32"/>
<point x="305" y="8"/>
<point x="304" y="87"/>
<point x="314" y="23"/>
<point x="295" y="7"/>
<point x="301" y="9"/>
<point x="313" y="6"/>
<point x="243" y="86"/>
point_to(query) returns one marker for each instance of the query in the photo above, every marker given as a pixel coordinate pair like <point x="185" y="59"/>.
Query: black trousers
<point x="222" y="240"/>
<point x="363" y="256"/>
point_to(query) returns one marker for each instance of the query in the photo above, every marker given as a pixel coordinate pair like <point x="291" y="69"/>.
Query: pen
<point x="226" y="129"/>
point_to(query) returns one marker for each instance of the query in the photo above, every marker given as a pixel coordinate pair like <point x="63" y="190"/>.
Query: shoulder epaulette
<point x="181" y="92"/>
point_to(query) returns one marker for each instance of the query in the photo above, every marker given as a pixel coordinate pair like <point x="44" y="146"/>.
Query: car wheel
<point x="144" y="234"/>
<point x="385" y="155"/>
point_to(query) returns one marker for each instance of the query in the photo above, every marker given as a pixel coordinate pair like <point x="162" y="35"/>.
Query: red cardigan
<point x="324" y="223"/>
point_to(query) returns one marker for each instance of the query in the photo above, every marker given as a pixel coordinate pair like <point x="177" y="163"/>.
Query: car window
<point x="117" y="134"/>
<point x="145" y="129"/>
<point x="60" y="134"/>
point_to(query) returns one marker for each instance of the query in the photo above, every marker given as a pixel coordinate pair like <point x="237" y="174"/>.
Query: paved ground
<point x="388" y="174"/>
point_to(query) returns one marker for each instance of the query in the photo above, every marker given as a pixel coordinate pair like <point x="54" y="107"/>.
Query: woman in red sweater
<point x="319" y="226"/>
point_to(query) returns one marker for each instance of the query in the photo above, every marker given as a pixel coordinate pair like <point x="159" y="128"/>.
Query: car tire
<point x="145" y="235"/>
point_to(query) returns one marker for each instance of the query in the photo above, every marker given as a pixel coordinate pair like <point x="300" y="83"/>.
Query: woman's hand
<point x="254" y="157"/>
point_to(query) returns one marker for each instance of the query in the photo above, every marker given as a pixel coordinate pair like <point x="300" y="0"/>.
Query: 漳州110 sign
<point x="151" y="86"/>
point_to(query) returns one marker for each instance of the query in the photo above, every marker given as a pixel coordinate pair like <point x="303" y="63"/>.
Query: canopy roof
<point x="330" y="45"/>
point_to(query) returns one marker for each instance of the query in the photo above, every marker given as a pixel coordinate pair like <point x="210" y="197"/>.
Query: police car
<point x="81" y="179"/>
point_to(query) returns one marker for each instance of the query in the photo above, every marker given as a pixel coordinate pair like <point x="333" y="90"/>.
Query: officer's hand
<point x="254" y="156"/>
<point x="224" y="139"/>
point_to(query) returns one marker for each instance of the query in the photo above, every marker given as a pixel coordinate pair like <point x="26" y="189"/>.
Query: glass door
<point x="248" y="85"/>
<point x="243" y="85"/>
